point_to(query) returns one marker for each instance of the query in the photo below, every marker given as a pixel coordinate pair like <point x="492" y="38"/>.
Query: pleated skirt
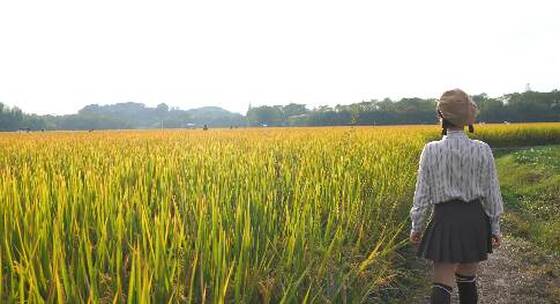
<point x="458" y="232"/>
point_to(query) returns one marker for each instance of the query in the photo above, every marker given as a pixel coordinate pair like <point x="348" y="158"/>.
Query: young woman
<point x="457" y="185"/>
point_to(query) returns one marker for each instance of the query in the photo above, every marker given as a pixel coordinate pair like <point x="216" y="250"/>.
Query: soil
<point x="517" y="272"/>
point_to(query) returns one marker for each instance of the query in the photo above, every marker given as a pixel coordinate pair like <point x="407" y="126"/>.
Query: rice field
<point x="281" y="215"/>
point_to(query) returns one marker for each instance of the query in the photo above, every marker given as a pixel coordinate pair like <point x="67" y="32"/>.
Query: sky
<point x="58" y="56"/>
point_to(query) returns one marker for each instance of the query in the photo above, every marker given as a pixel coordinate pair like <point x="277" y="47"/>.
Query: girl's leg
<point x="468" y="269"/>
<point x="443" y="273"/>
<point x="465" y="276"/>
<point x="442" y="282"/>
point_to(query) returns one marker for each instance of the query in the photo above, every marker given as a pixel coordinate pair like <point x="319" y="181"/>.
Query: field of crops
<point x="217" y="216"/>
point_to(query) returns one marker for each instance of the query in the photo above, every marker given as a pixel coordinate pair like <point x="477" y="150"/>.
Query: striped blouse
<point x="456" y="167"/>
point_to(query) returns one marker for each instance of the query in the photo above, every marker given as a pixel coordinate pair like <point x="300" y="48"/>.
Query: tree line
<point x="12" y="119"/>
<point x="128" y="115"/>
<point x="529" y="106"/>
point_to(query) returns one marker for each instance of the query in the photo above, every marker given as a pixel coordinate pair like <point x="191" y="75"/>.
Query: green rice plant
<point x="222" y="216"/>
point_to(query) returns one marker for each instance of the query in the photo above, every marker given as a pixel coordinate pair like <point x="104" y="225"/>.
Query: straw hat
<point x="457" y="107"/>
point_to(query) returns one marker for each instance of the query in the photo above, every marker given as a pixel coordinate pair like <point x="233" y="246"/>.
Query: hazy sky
<point x="57" y="56"/>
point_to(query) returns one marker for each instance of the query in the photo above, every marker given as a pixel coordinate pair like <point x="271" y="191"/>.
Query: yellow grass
<point x="222" y="216"/>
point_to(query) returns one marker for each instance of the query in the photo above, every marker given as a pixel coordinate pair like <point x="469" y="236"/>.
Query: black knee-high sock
<point x="467" y="288"/>
<point x="441" y="293"/>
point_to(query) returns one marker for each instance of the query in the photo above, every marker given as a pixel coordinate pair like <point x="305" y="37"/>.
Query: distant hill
<point x="215" y="117"/>
<point x="137" y="115"/>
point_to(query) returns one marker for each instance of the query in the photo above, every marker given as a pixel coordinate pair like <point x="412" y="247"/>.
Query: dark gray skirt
<point x="458" y="232"/>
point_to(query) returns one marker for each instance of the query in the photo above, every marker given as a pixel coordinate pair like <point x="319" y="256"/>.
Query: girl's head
<point x="456" y="110"/>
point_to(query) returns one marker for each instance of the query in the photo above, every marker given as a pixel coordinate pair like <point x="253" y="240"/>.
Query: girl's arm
<point x="421" y="205"/>
<point x="493" y="204"/>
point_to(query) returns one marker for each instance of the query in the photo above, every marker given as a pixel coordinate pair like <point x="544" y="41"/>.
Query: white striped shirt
<point x="456" y="167"/>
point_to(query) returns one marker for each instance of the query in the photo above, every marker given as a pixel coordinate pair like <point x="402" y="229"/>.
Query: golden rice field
<point x="223" y="216"/>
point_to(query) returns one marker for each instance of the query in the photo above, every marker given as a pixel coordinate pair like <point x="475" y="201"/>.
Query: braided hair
<point x="445" y="124"/>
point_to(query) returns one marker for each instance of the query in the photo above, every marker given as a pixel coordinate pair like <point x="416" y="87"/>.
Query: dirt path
<point x="515" y="273"/>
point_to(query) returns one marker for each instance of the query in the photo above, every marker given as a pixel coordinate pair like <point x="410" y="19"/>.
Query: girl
<point x="457" y="185"/>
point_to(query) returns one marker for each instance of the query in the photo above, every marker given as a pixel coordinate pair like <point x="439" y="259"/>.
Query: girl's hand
<point x="415" y="238"/>
<point x="496" y="240"/>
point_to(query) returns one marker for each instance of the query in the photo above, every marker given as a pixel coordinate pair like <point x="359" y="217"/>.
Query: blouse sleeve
<point x="493" y="204"/>
<point x="422" y="205"/>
